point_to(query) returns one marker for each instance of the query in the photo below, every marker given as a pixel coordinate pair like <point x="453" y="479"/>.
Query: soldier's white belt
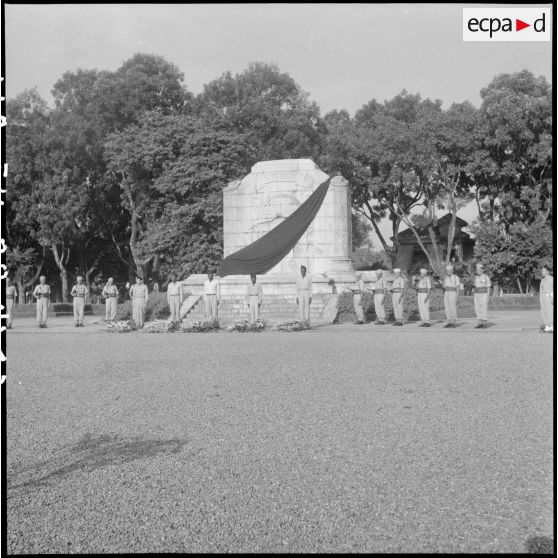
<point x="422" y="290"/>
<point x="111" y="296"/>
<point x="451" y="288"/>
<point x="44" y="295"/>
<point x="396" y="290"/>
<point x="8" y="297"/>
<point x="379" y="291"/>
<point x="481" y="290"/>
<point x="79" y="296"/>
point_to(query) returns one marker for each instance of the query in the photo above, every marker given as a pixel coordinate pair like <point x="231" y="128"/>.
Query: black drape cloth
<point x="266" y="252"/>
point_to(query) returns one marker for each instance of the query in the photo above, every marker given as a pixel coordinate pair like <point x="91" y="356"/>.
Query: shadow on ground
<point x="540" y="545"/>
<point x="90" y="453"/>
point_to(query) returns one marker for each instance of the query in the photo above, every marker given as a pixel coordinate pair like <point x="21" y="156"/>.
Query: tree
<point x="515" y="174"/>
<point x="269" y="108"/>
<point x="514" y="257"/>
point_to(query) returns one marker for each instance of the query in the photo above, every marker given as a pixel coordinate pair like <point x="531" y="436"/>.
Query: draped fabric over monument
<point x="266" y="252"/>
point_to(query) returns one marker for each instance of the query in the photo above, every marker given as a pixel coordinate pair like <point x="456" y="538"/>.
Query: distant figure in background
<point x="79" y="292"/>
<point x="304" y="294"/>
<point x="424" y="286"/>
<point x="175" y="296"/>
<point x="11" y="295"/>
<point x="42" y="295"/>
<point x="451" y="286"/>
<point x="110" y="292"/>
<point x="480" y="297"/>
<point x="547" y="299"/>
<point x="380" y="288"/>
<point x="358" y="293"/>
<point x="156" y="286"/>
<point x="254" y="295"/>
<point x="397" y="288"/>
<point x="139" y="295"/>
<point x="211" y="296"/>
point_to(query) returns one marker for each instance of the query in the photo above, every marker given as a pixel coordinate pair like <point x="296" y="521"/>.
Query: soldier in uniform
<point x="380" y="287"/>
<point x="304" y="294"/>
<point x="451" y="286"/>
<point x="424" y="286"/>
<point x="139" y="294"/>
<point x="175" y="296"/>
<point x="254" y="296"/>
<point x="211" y="296"/>
<point x="110" y="292"/>
<point x="358" y="292"/>
<point x="79" y="292"/>
<point x="397" y="288"/>
<point x="11" y="295"/>
<point x="547" y="299"/>
<point x="42" y="294"/>
<point x="480" y="297"/>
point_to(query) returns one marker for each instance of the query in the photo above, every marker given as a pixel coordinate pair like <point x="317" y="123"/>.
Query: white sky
<point x="344" y="55"/>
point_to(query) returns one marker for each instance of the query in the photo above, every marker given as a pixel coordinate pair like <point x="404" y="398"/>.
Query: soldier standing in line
<point x="211" y="296"/>
<point x="79" y="292"/>
<point x="304" y="294"/>
<point x="42" y="294"/>
<point x="175" y="296"/>
<point x="380" y="287"/>
<point x="397" y="288"/>
<point x="11" y="295"/>
<point x="254" y="295"/>
<point x="547" y="299"/>
<point x="358" y="293"/>
<point x="110" y="292"/>
<point x="480" y="298"/>
<point x="139" y="295"/>
<point x="451" y="286"/>
<point x="424" y="286"/>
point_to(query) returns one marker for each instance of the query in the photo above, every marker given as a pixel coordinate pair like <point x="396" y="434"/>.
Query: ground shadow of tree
<point x="90" y="453"/>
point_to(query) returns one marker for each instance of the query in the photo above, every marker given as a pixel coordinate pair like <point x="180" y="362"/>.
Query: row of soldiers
<point x="450" y="284"/>
<point x="254" y="296"/>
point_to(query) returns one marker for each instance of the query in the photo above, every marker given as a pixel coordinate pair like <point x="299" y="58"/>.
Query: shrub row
<point x="157" y="308"/>
<point x="346" y="307"/>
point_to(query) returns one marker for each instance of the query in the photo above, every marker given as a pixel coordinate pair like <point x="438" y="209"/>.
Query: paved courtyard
<point x="344" y="438"/>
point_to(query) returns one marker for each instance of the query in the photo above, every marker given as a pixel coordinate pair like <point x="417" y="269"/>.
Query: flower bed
<point x="199" y="327"/>
<point x="159" y="326"/>
<point x="292" y="325"/>
<point x="123" y="326"/>
<point x="247" y="325"/>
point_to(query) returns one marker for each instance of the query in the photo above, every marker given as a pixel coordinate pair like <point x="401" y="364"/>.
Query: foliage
<point x="159" y="326"/>
<point x="199" y="327"/>
<point x="157" y="306"/>
<point x="247" y="325"/>
<point x="121" y="326"/>
<point x="292" y="325"/>
<point x="514" y="177"/>
<point x="346" y="309"/>
<point x="514" y="257"/>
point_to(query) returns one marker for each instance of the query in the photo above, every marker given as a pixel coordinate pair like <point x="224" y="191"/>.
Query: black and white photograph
<point x="278" y="278"/>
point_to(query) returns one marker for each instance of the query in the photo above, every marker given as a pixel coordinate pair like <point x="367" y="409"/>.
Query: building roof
<point x="442" y="221"/>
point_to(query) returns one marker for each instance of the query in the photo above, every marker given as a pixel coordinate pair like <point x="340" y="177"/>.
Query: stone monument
<point x="260" y="201"/>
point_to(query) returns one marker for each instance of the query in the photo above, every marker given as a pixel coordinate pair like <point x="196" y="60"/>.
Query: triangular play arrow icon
<point x="519" y="25"/>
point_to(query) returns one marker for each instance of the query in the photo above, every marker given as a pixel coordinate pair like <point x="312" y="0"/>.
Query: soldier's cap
<point x="396" y="270"/>
<point x="79" y="277"/>
<point x="302" y="267"/>
<point x="110" y="279"/>
<point x="42" y="277"/>
<point x="358" y="274"/>
<point x="422" y="269"/>
<point x="448" y="267"/>
<point x="480" y="265"/>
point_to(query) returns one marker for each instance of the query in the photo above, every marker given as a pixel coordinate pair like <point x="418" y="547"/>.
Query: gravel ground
<point x="339" y="439"/>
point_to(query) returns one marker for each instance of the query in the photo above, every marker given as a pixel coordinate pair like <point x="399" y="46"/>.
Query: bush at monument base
<point x="157" y="308"/>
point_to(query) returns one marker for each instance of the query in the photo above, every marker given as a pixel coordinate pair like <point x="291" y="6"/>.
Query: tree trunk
<point x="519" y="285"/>
<point x="61" y="258"/>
